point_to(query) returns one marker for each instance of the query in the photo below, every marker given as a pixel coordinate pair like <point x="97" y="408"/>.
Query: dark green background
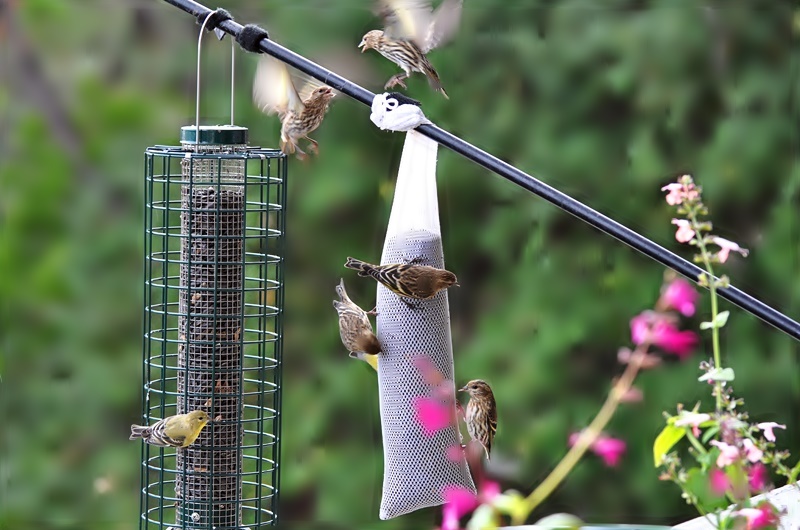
<point x="605" y="100"/>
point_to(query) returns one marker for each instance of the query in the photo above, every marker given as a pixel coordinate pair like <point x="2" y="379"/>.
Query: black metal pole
<point x="507" y="171"/>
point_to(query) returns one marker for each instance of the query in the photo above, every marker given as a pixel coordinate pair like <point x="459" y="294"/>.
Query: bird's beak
<point x="457" y="284"/>
<point x="362" y="45"/>
<point x="463" y="389"/>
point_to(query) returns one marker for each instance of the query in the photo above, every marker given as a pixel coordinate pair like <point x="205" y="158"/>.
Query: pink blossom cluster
<point x="686" y="195"/>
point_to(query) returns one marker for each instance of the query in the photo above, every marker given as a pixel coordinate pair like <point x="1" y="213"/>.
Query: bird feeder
<point x="418" y="466"/>
<point x="214" y="237"/>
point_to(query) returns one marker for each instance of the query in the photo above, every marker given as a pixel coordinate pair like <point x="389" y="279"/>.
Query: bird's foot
<point x="412" y="305"/>
<point x="417" y="260"/>
<point x="395" y="80"/>
<point x="313" y="146"/>
<point x="301" y="155"/>
<point x="373" y="312"/>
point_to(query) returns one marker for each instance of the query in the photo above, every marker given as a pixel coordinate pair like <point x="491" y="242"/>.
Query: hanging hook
<point x="233" y="69"/>
<point x="197" y="93"/>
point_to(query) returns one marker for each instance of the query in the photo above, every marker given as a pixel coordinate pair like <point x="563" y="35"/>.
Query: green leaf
<point x="665" y="441"/>
<point x="697" y="486"/>
<point x="511" y="503"/>
<point x="483" y="518"/>
<point x="718" y="374"/>
<point x="720" y="321"/>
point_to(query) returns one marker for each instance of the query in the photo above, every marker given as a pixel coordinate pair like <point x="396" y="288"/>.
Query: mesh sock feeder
<point x="418" y="466"/>
<point x="214" y="232"/>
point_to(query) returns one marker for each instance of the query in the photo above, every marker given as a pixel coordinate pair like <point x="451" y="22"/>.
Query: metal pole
<point x="565" y="202"/>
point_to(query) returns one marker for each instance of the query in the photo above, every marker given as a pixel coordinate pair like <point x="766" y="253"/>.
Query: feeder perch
<point x="214" y="237"/>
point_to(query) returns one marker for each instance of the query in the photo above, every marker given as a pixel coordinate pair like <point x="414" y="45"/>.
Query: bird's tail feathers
<point x="361" y="266"/>
<point x="435" y="82"/>
<point x="371" y="360"/>
<point x="139" y="431"/>
<point x="341" y="291"/>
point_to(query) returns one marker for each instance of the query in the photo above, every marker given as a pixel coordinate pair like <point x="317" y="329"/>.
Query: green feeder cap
<point x="214" y="135"/>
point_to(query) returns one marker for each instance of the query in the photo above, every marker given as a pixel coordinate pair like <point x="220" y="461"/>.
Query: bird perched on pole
<point x="481" y="413"/>
<point x="406" y="279"/>
<point x="355" y="329"/>
<point x="411" y="30"/>
<point x="299" y="100"/>
<point x="174" y="431"/>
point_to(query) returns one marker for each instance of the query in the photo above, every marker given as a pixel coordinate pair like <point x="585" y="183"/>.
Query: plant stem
<point x="712" y="287"/>
<point x="587" y="437"/>
<point x="696" y="443"/>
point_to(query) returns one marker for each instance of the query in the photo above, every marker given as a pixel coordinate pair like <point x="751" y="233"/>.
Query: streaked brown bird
<point x="355" y="329"/>
<point x="411" y="30"/>
<point x="299" y="100"/>
<point x="481" y="413"/>
<point x="406" y="279"/>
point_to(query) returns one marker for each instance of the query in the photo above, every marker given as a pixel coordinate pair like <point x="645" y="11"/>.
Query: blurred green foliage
<point x="605" y="100"/>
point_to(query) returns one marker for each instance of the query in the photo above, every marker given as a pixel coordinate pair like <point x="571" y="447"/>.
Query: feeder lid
<point x="214" y="135"/>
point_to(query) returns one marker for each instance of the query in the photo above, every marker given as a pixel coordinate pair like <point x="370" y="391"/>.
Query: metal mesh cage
<point x="214" y="233"/>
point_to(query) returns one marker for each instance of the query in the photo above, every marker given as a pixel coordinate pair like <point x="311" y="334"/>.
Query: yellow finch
<point x="299" y="100"/>
<point x="355" y="329"/>
<point x="406" y="279"/>
<point x="174" y="431"/>
<point x="411" y="30"/>
<point x="481" y="413"/>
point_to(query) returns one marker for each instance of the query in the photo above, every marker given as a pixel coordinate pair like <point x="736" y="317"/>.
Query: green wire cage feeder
<point x="214" y="234"/>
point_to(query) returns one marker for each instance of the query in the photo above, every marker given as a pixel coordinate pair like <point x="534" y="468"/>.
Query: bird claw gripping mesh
<point x="419" y="463"/>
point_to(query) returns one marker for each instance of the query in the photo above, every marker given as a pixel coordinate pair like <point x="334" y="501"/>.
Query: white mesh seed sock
<point x="417" y="466"/>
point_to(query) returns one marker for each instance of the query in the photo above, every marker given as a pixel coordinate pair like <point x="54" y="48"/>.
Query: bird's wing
<point x="274" y="90"/>
<point x="406" y="19"/>
<point x="443" y="26"/>
<point x="305" y="84"/>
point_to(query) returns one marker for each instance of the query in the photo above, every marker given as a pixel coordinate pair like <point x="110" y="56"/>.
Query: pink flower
<point x="632" y="395"/>
<point x="726" y="247"/>
<point x="431" y="414"/>
<point x="430" y="374"/>
<point x="762" y="516"/>
<point x="752" y="452"/>
<point x="680" y="295"/>
<point x="488" y="490"/>
<point x="767" y="427"/>
<point x="675" y="195"/>
<point x="757" y="478"/>
<point x="648" y="361"/>
<point x="684" y="234"/>
<point x="718" y="482"/>
<point x="458" y="501"/>
<point x="455" y="453"/>
<point x="663" y="334"/>
<point x="694" y="419"/>
<point x="608" y="448"/>
<point x="728" y="454"/>
<point x="683" y="190"/>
